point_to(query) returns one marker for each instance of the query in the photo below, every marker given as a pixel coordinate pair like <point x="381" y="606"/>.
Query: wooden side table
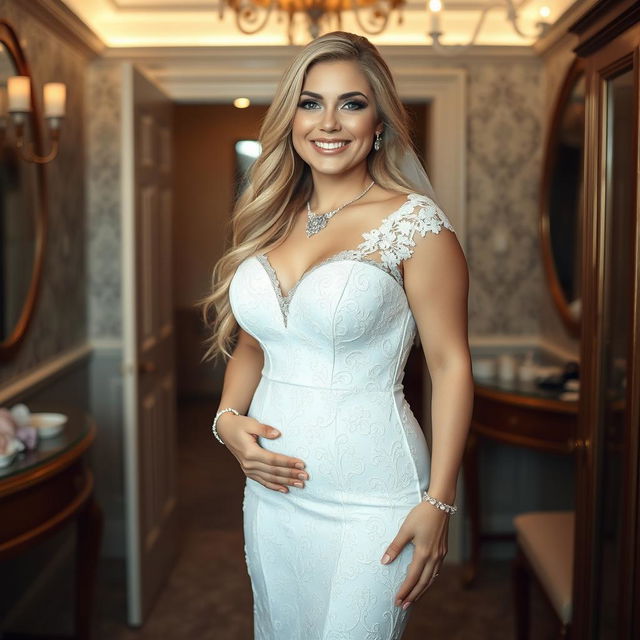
<point x="43" y="490"/>
<point x="515" y="413"/>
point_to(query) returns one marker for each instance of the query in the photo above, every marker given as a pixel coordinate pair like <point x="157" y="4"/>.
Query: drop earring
<point x="376" y="144"/>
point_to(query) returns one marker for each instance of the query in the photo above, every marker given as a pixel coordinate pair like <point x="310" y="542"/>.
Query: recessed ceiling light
<point x="241" y="103"/>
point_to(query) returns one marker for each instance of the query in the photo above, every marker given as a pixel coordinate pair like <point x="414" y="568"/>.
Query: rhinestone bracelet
<point x="215" y="420"/>
<point x="449" y="508"/>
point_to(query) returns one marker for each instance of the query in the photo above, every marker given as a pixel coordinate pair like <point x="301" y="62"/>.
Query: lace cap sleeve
<point x="395" y="236"/>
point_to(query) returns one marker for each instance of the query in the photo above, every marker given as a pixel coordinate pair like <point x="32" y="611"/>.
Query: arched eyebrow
<point x="349" y="94"/>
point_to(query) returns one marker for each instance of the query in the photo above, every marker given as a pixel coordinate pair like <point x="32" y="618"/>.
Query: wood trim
<point x="22" y="481"/>
<point x="532" y="402"/>
<point x="622" y="40"/>
<point x="45" y="373"/>
<point x="9" y="347"/>
<point x="52" y="524"/>
<point x="617" y="16"/>
<point x="557" y="294"/>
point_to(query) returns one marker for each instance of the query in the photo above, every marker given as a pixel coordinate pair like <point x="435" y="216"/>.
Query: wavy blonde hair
<point x="280" y="182"/>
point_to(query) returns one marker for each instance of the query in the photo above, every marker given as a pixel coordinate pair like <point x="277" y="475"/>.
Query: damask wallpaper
<point x="103" y="199"/>
<point x="60" y="321"/>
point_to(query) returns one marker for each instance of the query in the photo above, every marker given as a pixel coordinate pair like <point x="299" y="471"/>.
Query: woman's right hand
<point x="273" y="470"/>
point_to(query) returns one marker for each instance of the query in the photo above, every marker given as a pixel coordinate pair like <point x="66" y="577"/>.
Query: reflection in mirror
<point x="562" y="199"/>
<point x="18" y="214"/>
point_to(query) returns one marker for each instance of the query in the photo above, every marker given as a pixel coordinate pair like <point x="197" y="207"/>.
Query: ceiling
<point x="197" y="23"/>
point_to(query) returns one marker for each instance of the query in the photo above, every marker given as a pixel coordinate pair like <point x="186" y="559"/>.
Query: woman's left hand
<point x="428" y="528"/>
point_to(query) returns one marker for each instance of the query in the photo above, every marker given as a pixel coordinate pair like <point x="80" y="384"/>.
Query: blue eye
<point x="358" y="105"/>
<point x="305" y="104"/>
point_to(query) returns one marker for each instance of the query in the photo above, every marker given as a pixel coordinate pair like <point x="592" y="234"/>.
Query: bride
<point x="339" y="255"/>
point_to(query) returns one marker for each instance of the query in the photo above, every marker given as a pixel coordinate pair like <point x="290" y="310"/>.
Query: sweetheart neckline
<point x="308" y="270"/>
<point x="342" y="256"/>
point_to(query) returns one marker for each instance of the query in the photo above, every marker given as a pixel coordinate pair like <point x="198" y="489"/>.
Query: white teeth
<point x="330" y="145"/>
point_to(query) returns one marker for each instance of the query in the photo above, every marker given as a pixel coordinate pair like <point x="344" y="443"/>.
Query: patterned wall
<point x="103" y="199"/>
<point x="503" y="165"/>
<point x="60" y="322"/>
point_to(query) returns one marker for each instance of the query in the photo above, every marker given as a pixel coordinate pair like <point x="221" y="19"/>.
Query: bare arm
<point x="436" y="281"/>
<point x="437" y="285"/>
<point x="242" y="375"/>
<point x="240" y="433"/>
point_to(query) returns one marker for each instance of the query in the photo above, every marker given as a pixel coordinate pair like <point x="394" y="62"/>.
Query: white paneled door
<point x="149" y="371"/>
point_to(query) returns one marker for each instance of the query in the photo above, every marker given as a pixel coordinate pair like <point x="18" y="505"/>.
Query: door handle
<point x="579" y="444"/>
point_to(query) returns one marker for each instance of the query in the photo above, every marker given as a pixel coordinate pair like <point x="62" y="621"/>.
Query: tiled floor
<point x="208" y="596"/>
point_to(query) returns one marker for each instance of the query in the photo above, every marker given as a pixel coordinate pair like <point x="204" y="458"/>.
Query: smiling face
<point x="336" y="121"/>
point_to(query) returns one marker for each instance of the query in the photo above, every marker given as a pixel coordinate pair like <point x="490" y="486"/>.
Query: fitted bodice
<point x="346" y="324"/>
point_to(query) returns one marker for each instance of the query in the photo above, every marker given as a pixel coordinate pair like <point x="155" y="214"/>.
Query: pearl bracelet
<point x="215" y="420"/>
<point x="449" y="508"/>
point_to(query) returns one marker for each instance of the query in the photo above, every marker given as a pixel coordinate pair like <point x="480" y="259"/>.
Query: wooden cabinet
<point x="518" y="414"/>
<point x="45" y="489"/>
<point x="607" y="557"/>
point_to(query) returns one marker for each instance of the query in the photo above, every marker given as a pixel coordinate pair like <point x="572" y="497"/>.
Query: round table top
<point x="72" y="441"/>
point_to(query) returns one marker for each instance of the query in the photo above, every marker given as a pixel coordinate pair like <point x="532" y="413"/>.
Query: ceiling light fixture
<point x="372" y="16"/>
<point x="435" y="9"/>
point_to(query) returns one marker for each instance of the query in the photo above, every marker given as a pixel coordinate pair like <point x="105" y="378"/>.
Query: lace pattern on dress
<point x="393" y="239"/>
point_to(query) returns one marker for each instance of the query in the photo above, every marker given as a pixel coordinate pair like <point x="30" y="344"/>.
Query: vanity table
<point x="45" y="489"/>
<point x="516" y="413"/>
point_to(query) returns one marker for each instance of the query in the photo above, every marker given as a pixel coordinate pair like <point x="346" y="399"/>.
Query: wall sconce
<point x="19" y="105"/>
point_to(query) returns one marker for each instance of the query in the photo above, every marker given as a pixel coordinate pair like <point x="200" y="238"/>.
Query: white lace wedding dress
<point x="335" y="348"/>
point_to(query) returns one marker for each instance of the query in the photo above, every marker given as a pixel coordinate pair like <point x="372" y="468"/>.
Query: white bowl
<point x="5" y="461"/>
<point x="48" y="424"/>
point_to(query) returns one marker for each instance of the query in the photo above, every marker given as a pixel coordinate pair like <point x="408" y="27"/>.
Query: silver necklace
<point x="316" y="222"/>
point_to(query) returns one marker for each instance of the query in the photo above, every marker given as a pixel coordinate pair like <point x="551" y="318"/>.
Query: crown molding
<point x="220" y="74"/>
<point x="60" y="19"/>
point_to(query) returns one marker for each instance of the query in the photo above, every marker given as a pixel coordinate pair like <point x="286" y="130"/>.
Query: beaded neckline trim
<point x="284" y="300"/>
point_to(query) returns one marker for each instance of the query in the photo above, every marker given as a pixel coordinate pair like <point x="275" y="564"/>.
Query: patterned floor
<point x="208" y="596"/>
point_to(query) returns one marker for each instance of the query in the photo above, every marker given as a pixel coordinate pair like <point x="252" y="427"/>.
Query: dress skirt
<point x="313" y="554"/>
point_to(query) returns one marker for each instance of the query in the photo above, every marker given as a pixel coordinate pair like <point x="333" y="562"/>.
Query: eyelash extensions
<point x="358" y="103"/>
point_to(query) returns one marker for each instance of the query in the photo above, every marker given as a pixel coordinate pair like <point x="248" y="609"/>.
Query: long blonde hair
<point x="279" y="181"/>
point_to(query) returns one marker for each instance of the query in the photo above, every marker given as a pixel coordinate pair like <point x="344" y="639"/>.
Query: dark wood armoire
<point x="607" y="556"/>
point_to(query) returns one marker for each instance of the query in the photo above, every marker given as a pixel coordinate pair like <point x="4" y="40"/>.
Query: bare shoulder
<point x="387" y="197"/>
<point x="384" y="201"/>
<point x="437" y="259"/>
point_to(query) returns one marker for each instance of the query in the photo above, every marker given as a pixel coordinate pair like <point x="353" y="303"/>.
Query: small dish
<point x="14" y="448"/>
<point x="5" y="461"/>
<point x="48" y="424"/>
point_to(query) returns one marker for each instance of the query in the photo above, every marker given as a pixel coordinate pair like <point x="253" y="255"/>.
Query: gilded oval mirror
<point x="562" y="199"/>
<point x="22" y="208"/>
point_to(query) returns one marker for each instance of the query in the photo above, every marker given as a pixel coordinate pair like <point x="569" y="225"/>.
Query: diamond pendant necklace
<point x="317" y="222"/>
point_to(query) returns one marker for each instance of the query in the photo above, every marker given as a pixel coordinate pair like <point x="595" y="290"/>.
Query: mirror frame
<point x="8" y="348"/>
<point x="576" y="70"/>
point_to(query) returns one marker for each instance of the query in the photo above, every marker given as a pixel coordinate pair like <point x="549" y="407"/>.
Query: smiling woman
<point x="328" y="123"/>
<point x="341" y="535"/>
